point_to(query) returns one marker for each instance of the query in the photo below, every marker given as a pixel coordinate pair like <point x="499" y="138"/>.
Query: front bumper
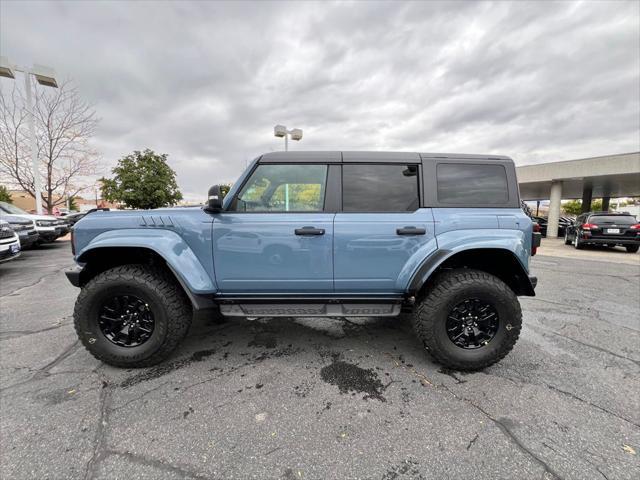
<point x="9" y="250"/>
<point x="28" y="238"/>
<point x="534" y="281"/>
<point x="73" y="274"/>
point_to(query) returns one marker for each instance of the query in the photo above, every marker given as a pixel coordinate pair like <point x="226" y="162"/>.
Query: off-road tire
<point x="169" y="304"/>
<point x="632" y="248"/>
<point x="451" y="288"/>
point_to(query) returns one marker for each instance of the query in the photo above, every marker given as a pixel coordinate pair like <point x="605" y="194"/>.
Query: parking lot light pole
<point x="44" y="76"/>
<point x="281" y="131"/>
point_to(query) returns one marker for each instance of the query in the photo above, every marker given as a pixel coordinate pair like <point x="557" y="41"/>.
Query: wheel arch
<point x="499" y="262"/>
<point x="101" y="258"/>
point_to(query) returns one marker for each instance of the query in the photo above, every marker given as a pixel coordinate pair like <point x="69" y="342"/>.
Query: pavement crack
<point x="160" y="465"/>
<point x="506" y="431"/>
<point x="11" y="334"/>
<point x="595" y="347"/>
<point x="587" y="402"/>
<point x="44" y="372"/>
<point x="472" y="441"/>
<point x="100" y="441"/>
<point x="38" y="282"/>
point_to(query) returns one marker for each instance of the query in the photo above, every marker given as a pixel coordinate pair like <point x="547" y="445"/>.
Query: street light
<point x="281" y="131"/>
<point x="44" y="76"/>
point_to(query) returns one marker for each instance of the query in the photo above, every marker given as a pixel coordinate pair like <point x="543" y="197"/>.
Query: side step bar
<point x="310" y="307"/>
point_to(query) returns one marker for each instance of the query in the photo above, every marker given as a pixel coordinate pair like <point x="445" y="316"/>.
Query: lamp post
<point x="44" y="76"/>
<point x="281" y="131"/>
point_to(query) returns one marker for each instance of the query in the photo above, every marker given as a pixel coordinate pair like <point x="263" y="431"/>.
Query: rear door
<point x="276" y="236"/>
<point x="381" y="235"/>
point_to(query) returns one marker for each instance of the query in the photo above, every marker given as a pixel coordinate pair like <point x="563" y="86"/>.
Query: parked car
<point x="49" y="228"/>
<point x="462" y="264"/>
<point x="605" y="228"/>
<point x="72" y="218"/>
<point x="24" y="227"/>
<point x="9" y="243"/>
<point x="563" y="223"/>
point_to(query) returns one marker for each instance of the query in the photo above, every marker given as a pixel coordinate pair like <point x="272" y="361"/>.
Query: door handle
<point x="308" y="231"/>
<point x="411" y="231"/>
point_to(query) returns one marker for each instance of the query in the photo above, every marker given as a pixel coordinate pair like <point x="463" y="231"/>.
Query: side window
<point x="472" y="184"/>
<point x="283" y="188"/>
<point x="379" y="188"/>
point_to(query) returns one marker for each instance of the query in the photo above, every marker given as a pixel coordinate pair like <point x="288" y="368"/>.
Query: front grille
<point x="6" y="232"/>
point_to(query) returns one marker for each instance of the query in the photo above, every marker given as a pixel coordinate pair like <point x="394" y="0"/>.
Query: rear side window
<point x="470" y="184"/>
<point x="613" y="219"/>
<point x="380" y="188"/>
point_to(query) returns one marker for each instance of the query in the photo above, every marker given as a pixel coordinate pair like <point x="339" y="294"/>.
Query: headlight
<point x="45" y="223"/>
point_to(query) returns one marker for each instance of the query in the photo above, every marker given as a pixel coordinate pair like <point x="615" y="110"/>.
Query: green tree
<point x="142" y="180"/>
<point x="5" y="196"/>
<point x="73" y="205"/>
<point x="574" y="207"/>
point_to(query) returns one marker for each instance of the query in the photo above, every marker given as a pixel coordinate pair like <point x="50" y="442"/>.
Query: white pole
<point x="286" y="197"/>
<point x="286" y="142"/>
<point x="37" y="180"/>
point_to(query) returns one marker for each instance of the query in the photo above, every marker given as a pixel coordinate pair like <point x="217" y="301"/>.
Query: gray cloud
<point x="206" y="82"/>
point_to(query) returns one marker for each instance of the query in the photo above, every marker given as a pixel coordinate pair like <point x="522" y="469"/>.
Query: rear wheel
<point x="132" y="316"/>
<point x="468" y="320"/>
<point x="577" y="243"/>
<point x="632" y="248"/>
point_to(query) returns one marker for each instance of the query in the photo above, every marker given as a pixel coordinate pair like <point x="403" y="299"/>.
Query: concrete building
<point x="586" y="178"/>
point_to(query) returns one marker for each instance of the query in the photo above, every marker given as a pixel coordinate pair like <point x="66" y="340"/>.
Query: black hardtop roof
<point x="369" y="157"/>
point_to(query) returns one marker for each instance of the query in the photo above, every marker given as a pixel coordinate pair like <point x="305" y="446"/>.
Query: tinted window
<point x="616" y="219"/>
<point x="283" y="188"/>
<point x="379" y="188"/>
<point x="472" y="184"/>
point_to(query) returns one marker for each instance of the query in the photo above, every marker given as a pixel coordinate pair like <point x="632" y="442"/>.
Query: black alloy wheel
<point x="126" y="320"/>
<point x="472" y="324"/>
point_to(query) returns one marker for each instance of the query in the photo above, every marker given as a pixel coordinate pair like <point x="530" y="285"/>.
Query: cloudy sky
<point x="206" y="82"/>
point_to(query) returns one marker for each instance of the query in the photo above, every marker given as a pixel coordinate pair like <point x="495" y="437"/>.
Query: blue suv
<point x="317" y="234"/>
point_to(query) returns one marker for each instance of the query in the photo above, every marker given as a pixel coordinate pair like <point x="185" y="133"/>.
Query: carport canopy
<point x="602" y="177"/>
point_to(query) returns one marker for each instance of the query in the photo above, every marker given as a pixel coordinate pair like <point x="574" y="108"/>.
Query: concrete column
<point x="605" y="203"/>
<point x="587" y="191"/>
<point x="554" y="209"/>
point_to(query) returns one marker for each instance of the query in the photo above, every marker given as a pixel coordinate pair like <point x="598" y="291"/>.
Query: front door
<point x="382" y="234"/>
<point x="275" y="237"/>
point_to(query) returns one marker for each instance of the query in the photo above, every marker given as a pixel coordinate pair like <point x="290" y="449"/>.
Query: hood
<point x="16" y="219"/>
<point x="30" y="216"/>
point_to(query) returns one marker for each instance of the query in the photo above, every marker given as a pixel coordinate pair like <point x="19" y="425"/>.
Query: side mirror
<point x="214" y="199"/>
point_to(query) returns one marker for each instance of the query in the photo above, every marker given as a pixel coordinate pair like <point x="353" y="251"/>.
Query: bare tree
<point x="64" y="125"/>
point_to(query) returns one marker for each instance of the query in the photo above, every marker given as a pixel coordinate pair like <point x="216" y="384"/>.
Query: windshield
<point x="12" y="209"/>
<point x="616" y="219"/>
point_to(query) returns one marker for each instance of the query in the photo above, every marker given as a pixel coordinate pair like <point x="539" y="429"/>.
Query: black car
<point x="605" y="228"/>
<point x="73" y="218"/>
<point x="563" y="223"/>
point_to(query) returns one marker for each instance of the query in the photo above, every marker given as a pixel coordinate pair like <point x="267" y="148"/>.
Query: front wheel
<point x="567" y="240"/>
<point x="468" y="320"/>
<point x="632" y="248"/>
<point x="132" y="316"/>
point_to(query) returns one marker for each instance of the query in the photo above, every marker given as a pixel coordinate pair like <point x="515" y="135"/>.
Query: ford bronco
<point x="441" y="237"/>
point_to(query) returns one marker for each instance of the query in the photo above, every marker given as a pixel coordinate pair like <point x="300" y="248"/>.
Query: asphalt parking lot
<point x="312" y="399"/>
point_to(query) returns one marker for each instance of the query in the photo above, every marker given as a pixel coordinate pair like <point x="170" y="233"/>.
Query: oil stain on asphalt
<point x="351" y="378"/>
